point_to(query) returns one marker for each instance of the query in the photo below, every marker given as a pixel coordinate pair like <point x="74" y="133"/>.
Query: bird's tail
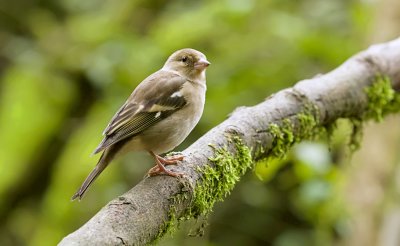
<point x="103" y="162"/>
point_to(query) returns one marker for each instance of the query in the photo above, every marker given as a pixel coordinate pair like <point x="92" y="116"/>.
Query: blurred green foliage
<point x="67" y="65"/>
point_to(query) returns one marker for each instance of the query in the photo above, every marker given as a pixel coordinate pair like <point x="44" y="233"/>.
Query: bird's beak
<point x="201" y="64"/>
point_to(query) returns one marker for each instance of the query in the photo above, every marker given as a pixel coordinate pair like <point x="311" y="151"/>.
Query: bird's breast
<point x="173" y="130"/>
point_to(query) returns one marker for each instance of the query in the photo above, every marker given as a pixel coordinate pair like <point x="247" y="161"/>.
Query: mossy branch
<point x="363" y="87"/>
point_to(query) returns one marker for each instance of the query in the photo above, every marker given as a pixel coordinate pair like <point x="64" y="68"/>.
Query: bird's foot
<point x="162" y="162"/>
<point x="170" y="160"/>
<point x="157" y="170"/>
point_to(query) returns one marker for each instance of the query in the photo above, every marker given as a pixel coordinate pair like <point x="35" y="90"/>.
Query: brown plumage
<point x="158" y="115"/>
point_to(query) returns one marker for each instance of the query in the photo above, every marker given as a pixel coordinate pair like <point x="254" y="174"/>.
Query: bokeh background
<point x="66" y="66"/>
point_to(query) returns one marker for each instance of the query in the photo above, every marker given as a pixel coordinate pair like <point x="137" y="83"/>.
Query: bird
<point x="159" y="114"/>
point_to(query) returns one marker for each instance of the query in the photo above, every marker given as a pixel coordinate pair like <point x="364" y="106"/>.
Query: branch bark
<point x="142" y="214"/>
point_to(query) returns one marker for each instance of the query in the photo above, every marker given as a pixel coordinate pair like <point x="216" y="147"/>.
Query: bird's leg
<point x="153" y="170"/>
<point x="160" y="168"/>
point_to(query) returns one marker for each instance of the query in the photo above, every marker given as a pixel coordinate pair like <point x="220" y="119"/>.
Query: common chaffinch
<point x="158" y="115"/>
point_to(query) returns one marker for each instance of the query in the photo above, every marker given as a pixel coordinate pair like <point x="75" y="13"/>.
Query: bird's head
<point x="188" y="62"/>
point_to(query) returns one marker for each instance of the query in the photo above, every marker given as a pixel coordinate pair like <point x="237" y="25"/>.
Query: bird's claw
<point x="162" y="162"/>
<point x="156" y="170"/>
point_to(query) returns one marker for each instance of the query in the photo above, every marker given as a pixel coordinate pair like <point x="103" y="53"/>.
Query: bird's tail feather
<point x="103" y="162"/>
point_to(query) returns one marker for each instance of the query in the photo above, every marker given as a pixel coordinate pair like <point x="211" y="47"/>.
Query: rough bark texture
<point x="371" y="191"/>
<point x="140" y="215"/>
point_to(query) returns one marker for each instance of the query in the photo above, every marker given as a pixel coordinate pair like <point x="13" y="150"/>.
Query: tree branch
<point x="218" y="159"/>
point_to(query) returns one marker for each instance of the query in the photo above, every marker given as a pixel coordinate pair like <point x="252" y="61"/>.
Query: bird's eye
<point x="184" y="59"/>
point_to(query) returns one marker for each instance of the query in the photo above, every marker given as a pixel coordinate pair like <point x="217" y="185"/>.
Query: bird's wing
<point x="153" y="100"/>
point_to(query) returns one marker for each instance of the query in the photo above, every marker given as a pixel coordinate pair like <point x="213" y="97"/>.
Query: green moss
<point x="309" y="125"/>
<point x="356" y="134"/>
<point x="304" y="125"/>
<point x="172" y="223"/>
<point x="218" y="181"/>
<point x="283" y="138"/>
<point x="382" y="99"/>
